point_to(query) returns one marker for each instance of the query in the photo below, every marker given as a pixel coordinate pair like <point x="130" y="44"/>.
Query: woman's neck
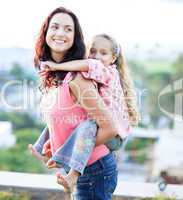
<point x="57" y="57"/>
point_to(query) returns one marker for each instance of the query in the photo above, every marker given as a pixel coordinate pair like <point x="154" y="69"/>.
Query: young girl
<point x="109" y="73"/>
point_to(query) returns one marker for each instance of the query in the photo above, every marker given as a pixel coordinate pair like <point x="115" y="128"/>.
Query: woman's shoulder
<point x="82" y="88"/>
<point x="78" y="81"/>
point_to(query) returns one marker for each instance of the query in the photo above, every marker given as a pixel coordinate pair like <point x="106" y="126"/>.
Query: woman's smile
<point x="59" y="41"/>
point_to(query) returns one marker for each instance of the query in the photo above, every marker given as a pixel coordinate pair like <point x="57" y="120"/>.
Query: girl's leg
<point x="77" y="149"/>
<point x="75" y="153"/>
<point x="37" y="148"/>
<point x="38" y="145"/>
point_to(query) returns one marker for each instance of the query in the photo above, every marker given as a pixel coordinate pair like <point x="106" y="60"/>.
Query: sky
<point x="143" y="22"/>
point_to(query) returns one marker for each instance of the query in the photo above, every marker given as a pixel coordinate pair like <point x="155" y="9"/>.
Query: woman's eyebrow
<point x="67" y="25"/>
<point x="54" y="23"/>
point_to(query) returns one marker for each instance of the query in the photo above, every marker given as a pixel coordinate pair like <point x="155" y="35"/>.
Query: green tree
<point x="19" y="120"/>
<point x="17" y="71"/>
<point x="178" y="67"/>
<point x="156" y="81"/>
<point x="18" y="157"/>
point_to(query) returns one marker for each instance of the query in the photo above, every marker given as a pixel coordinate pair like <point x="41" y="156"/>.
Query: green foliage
<point x="156" y="82"/>
<point x="12" y="196"/>
<point x="26" y="136"/>
<point x="154" y="76"/>
<point x="160" y="197"/>
<point x="138" y="72"/>
<point x="18" y="157"/>
<point x="160" y="66"/>
<point x="17" y="71"/>
<point x="136" y="148"/>
<point x="19" y="120"/>
<point x="138" y="144"/>
<point x="141" y="158"/>
<point x="178" y="67"/>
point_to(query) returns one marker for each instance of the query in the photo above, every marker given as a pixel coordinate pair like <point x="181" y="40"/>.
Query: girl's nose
<point x="97" y="56"/>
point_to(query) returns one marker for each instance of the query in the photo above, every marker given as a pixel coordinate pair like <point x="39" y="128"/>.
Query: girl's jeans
<point x="38" y="145"/>
<point x="98" y="181"/>
<point x="75" y="152"/>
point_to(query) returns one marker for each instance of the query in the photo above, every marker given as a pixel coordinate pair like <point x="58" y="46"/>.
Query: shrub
<point x="11" y="196"/>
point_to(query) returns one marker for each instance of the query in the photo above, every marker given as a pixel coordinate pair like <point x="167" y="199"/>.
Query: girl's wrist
<point x="56" y="67"/>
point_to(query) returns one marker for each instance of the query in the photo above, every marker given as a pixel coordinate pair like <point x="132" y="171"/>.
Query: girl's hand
<point x="46" y="67"/>
<point x="49" y="66"/>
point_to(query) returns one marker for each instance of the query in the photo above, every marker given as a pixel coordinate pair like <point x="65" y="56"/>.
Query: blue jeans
<point x="38" y="145"/>
<point x="98" y="181"/>
<point x="75" y="152"/>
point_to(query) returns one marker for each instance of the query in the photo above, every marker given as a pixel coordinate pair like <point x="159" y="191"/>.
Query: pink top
<point x="111" y="91"/>
<point x="63" y="115"/>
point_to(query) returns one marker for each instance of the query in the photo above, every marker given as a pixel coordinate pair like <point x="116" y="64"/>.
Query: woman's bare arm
<point x="87" y="95"/>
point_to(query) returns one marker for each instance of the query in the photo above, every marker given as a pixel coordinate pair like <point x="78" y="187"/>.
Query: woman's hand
<point x="46" y="153"/>
<point x="51" y="164"/>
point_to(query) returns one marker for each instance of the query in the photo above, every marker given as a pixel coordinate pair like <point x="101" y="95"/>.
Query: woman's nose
<point x="60" y="32"/>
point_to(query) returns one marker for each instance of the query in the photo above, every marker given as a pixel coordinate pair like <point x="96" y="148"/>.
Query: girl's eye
<point x="92" y="51"/>
<point x="103" y="53"/>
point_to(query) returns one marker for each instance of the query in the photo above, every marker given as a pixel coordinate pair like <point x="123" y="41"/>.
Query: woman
<point x="73" y="100"/>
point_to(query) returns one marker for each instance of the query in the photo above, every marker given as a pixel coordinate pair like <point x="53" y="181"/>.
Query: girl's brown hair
<point x="126" y="80"/>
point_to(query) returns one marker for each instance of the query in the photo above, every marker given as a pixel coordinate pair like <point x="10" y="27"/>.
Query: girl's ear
<point x="113" y="59"/>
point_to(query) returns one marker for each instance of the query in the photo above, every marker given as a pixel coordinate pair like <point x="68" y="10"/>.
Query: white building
<point x="7" y="139"/>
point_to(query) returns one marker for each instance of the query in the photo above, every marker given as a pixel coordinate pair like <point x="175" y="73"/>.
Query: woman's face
<point x="101" y="49"/>
<point x="60" y="35"/>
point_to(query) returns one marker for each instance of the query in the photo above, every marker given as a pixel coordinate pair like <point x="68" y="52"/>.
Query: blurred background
<point x="150" y="33"/>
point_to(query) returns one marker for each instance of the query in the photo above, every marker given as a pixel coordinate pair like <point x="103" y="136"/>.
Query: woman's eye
<point x="68" y="29"/>
<point x="103" y="53"/>
<point x="53" y="27"/>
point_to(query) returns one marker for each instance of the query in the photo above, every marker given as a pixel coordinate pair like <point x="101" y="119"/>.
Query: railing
<point x="44" y="187"/>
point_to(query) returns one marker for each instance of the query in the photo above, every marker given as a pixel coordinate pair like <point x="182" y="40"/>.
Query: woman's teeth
<point x="59" y="41"/>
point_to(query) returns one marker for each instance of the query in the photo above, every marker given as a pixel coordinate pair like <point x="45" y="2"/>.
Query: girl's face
<point x="101" y="49"/>
<point x="60" y="35"/>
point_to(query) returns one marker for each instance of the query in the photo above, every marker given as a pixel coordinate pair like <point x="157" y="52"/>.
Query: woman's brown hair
<point x="42" y="50"/>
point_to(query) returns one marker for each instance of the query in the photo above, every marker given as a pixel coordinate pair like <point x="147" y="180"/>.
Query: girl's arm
<point x="98" y="72"/>
<point x="87" y="95"/>
<point x="90" y="68"/>
<point x="75" y="65"/>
